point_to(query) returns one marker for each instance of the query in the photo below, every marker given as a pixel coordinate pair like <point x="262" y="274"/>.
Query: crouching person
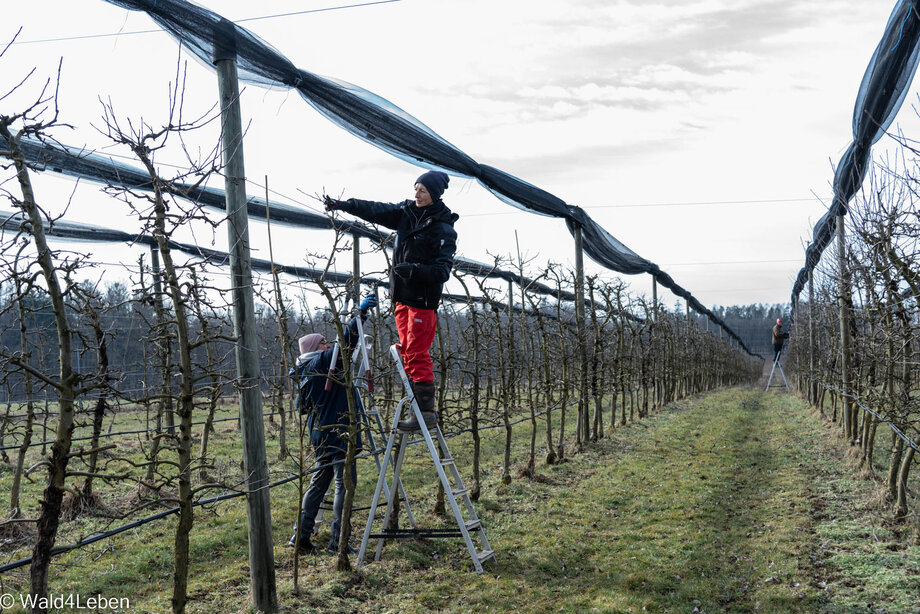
<point x="328" y="421"/>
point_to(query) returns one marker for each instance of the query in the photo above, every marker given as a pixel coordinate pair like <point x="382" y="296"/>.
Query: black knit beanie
<point x="435" y="182"/>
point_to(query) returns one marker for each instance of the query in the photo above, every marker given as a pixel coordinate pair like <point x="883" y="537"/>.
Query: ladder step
<point x="452" y="482"/>
<point x="431" y="429"/>
<point x="416" y="533"/>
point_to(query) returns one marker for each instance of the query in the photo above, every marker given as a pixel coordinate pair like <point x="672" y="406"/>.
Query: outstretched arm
<point x="385" y="214"/>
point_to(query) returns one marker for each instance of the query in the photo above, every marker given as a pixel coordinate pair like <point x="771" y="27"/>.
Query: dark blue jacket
<point x="328" y="411"/>
<point x="425" y="237"/>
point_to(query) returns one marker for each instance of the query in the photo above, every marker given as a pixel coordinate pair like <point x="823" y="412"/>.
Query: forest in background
<point x="753" y="323"/>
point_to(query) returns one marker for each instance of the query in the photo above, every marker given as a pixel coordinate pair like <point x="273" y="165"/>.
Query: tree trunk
<point x="50" y="515"/>
<point x="475" y="487"/>
<point x="30" y="407"/>
<point x="901" y="507"/>
<point x="101" y="402"/>
<point x="894" y="465"/>
<point x="185" y="405"/>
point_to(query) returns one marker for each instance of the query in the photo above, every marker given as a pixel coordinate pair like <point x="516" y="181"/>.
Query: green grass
<point x="734" y="501"/>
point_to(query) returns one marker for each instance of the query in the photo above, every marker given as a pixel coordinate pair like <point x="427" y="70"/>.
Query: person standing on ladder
<point x="779" y="337"/>
<point x="328" y="424"/>
<point x="423" y="257"/>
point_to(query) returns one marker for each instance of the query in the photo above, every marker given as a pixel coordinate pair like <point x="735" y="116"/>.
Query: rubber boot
<point x="424" y="396"/>
<point x="306" y="546"/>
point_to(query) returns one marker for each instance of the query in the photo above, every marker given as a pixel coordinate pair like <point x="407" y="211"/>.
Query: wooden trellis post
<point x="849" y="428"/>
<point x="356" y="269"/>
<point x="580" y="328"/>
<point x="812" y="384"/>
<point x="255" y="466"/>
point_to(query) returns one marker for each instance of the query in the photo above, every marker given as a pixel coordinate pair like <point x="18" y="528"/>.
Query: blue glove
<point x="369" y="301"/>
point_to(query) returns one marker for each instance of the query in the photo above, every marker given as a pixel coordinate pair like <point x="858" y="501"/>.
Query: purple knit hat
<point x="309" y="343"/>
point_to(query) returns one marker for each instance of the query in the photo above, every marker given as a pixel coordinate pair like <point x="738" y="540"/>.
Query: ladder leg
<point x="771" y="375"/>
<point x="449" y="493"/>
<point x="370" y="436"/>
<point x="474" y="522"/>
<point x="400" y="456"/>
<point x="381" y="481"/>
<point x="405" y="500"/>
<point x="382" y="431"/>
<point x="440" y="455"/>
<point x="783" y="373"/>
<point x="399" y="484"/>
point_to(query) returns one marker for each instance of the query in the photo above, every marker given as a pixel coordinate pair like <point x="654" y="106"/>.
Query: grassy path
<point x="718" y="504"/>
<point x="736" y="501"/>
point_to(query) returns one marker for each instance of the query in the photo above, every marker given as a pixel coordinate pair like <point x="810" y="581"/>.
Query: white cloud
<point x="598" y="102"/>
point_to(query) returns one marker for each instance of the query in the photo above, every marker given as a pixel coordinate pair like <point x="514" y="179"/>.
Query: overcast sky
<point x="700" y="134"/>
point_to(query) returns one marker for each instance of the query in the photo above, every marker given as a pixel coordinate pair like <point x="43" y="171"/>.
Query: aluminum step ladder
<point x="363" y="381"/>
<point x="467" y="525"/>
<point x="777" y="365"/>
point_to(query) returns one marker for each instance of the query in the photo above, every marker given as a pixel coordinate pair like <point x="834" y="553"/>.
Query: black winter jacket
<point x="328" y="411"/>
<point x="425" y="238"/>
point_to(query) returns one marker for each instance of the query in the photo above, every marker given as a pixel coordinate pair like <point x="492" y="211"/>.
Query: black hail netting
<point x="377" y="121"/>
<point x="881" y="93"/>
<point x="384" y="125"/>
<point x="103" y="169"/>
<point x="12" y="222"/>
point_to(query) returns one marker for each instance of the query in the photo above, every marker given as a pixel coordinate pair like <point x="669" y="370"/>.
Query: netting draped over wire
<point x="377" y="121"/>
<point x="81" y="164"/>
<point x="98" y="168"/>
<point x="76" y="231"/>
<point x="884" y="87"/>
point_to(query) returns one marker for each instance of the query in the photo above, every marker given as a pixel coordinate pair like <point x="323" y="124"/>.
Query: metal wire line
<point x="101" y="435"/>
<point x="245" y="19"/>
<point x="703" y="203"/>
<point x="859" y="402"/>
<point x="233" y="495"/>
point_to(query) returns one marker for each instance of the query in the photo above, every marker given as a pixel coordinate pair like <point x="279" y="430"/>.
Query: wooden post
<point x="255" y="467"/>
<point x="356" y="269"/>
<point x="849" y="428"/>
<point x="812" y="384"/>
<point x="652" y="335"/>
<point x="580" y="328"/>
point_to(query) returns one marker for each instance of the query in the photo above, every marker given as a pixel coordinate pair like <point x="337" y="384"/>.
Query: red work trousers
<point x="416" y="328"/>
